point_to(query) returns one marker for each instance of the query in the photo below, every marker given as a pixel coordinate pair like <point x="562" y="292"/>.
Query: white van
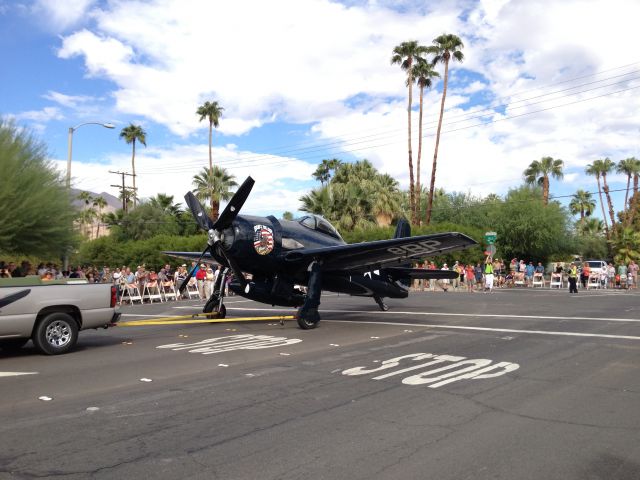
<point x="596" y="266"/>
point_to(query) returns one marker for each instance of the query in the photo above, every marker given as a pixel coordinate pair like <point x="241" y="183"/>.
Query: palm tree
<point x="445" y="48"/>
<point x="539" y="171"/>
<point x="325" y="170"/>
<point x="595" y="169"/>
<point x="591" y="227"/>
<point x="406" y="55"/>
<point x="582" y="203"/>
<point x="214" y="185"/>
<point x="386" y="203"/>
<point x="317" y="201"/>
<point x="212" y="112"/>
<point x="423" y="72"/>
<point x="630" y="167"/>
<point x="607" y="167"/>
<point x="100" y="203"/>
<point x="634" y="199"/>
<point x="130" y="134"/>
<point x="165" y="203"/>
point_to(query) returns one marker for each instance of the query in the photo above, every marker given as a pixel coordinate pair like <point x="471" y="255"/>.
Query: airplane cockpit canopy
<point x="316" y="222"/>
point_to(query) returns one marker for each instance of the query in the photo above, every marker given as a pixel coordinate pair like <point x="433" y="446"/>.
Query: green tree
<point x="591" y="227"/>
<point x="406" y="55"/>
<point x="131" y="134"/>
<point x="165" y="203"/>
<point x="424" y="73"/>
<point x="528" y="229"/>
<point x="583" y="203"/>
<point x="607" y="167"/>
<point x="36" y="214"/>
<point x="214" y="185"/>
<point x="595" y="169"/>
<point x="626" y="245"/>
<point x="446" y="47"/>
<point x="317" y="201"/>
<point x="287" y="216"/>
<point x="99" y="202"/>
<point x="539" y="172"/>
<point x="325" y="170"/>
<point x="144" y="222"/>
<point x="212" y="112"/>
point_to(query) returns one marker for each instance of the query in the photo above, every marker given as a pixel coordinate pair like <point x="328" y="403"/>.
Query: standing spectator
<point x="180" y="276"/>
<point x="488" y="274"/>
<point x="201" y="275"/>
<point x="633" y="271"/>
<point x="432" y="281"/>
<point x="586" y="273"/>
<point x="209" y="282"/>
<point x="478" y="271"/>
<point x="611" y="275"/>
<point x="573" y="279"/>
<point x="445" y="282"/>
<point x="529" y="271"/>
<point x="469" y="277"/>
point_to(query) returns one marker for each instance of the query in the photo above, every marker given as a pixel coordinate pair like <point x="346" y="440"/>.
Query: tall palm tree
<point x="424" y="72"/>
<point x="582" y="203"/>
<point x="539" y="171"/>
<point x="630" y="167"/>
<point x="214" y="185"/>
<point x="317" y="201"/>
<point x="447" y="47"/>
<point x="406" y="55"/>
<point x="595" y="169"/>
<point x="608" y="166"/>
<point x="633" y="207"/>
<point x="131" y="134"/>
<point x="212" y="112"/>
<point x="386" y="202"/>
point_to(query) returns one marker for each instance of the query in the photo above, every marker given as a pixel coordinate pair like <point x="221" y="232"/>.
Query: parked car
<point x="52" y="313"/>
<point x="596" y="266"/>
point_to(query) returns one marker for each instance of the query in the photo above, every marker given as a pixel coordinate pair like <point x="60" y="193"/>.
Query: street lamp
<point x="73" y="129"/>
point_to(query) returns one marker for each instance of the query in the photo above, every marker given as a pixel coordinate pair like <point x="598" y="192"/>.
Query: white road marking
<point x="476" y="315"/>
<point x="146" y="380"/>
<point x="483" y="329"/>
<point x="16" y="374"/>
<point x="44" y="398"/>
<point x="233" y="342"/>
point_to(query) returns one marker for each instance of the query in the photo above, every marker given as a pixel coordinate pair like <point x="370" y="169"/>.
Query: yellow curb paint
<point x="179" y="321"/>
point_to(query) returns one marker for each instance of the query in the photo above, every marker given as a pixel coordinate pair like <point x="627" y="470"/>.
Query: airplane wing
<point x="366" y="256"/>
<point x="193" y="256"/>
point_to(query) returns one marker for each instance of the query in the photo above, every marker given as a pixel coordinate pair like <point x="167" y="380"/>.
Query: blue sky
<point x="303" y="80"/>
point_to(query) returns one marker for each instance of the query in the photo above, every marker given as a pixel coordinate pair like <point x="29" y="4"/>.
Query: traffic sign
<point x="491" y="250"/>
<point x="490" y="237"/>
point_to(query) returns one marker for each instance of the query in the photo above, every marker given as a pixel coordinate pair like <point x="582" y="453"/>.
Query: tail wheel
<point x="56" y="333"/>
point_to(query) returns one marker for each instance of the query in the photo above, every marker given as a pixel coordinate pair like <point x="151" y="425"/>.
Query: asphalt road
<point x="518" y="384"/>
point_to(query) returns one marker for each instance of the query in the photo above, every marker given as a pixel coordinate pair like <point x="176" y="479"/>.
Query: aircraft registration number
<point x="417" y="248"/>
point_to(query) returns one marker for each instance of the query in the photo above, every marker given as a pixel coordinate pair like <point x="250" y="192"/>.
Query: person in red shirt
<point x="469" y="277"/>
<point x="201" y="276"/>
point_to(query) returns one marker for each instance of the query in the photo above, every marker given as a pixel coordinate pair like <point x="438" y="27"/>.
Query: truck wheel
<point x="12" y="344"/>
<point x="56" y="333"/>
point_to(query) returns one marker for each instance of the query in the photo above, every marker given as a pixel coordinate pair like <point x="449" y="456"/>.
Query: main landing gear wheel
<point x="213" y="306"/>
<point x="308" y="319"/>
<point x="383" y="306"/>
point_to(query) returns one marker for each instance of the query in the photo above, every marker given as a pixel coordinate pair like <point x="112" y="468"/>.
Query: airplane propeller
<point x="214" y="229"/>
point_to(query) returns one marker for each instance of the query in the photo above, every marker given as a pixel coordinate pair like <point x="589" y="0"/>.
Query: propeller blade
<point x="235" y="204"/>
<point x="198" y="212"/>
<point x="186" y="280"/>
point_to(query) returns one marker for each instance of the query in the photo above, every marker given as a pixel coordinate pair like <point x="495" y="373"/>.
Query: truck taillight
<point x="114" y="298"/>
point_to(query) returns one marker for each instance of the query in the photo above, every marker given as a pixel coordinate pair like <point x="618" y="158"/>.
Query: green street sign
<point x="490" y="237"/>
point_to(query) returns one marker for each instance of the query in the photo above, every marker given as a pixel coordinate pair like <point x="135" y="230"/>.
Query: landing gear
<point x="215" y="303"/>
<point x="383" y="306"/>
<point x="307" y="315"/>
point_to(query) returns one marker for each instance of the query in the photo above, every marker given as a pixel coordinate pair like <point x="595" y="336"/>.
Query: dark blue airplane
<point x="283" y="256"/>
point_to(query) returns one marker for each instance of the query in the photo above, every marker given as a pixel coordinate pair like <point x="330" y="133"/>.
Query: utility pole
<point x="123" y="188"/>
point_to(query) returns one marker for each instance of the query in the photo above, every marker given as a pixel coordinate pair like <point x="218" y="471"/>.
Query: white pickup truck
<point x="52" y="313"/>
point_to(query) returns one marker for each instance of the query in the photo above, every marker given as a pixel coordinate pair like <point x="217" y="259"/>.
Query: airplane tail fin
<point x="403" y="229"/>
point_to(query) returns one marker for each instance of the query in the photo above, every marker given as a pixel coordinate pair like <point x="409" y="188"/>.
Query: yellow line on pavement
<point x="179" y="321"/>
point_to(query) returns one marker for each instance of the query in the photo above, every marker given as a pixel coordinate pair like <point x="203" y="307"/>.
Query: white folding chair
<point x="593" y="281"/>
<point x="556" y="280"/>
<point x="538" y="280"/>
<point x="131" y="292"/>
<point x="152" y="291"/>
<point x="169" y="291"/>
<point x="192" y="289"/>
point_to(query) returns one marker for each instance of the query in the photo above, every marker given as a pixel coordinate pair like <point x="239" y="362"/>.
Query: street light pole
<point x="69" y="150"/>
<point x="70" y="145"/>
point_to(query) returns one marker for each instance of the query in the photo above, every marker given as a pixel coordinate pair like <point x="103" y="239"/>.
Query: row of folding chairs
<point x="156" y="291"/>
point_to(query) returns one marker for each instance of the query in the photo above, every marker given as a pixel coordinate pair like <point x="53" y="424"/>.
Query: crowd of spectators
<point x="518" y="272"/>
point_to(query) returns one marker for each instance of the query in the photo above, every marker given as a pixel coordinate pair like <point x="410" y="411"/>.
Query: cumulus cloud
<point x="62" y="15"/>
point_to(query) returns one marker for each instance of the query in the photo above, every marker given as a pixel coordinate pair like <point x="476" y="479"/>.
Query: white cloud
<point x="171" y="171"/>
<point x="304" y="61"/>
<point x="40" y="116"/>
<point x="71" y="101"/>
<point x="62" y="14"/>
